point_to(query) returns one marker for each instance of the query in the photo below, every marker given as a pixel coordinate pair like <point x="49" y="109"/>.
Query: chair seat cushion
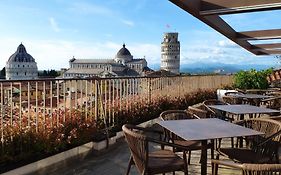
<point x="244" y="155"/>
<point x="164" y="161"/>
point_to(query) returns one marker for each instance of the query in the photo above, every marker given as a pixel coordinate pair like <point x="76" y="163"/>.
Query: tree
<point x="49" y="73"/>
<point x="3" y="72"/>
<point x="252" y="79"/>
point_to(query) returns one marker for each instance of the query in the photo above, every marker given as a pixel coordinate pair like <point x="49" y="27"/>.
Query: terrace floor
<point x="113" y="161"/>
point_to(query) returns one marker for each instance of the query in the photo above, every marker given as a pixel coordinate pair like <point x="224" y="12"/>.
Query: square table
<point x="204" y="130"/>
<point x="243" y="109"/>
<point x="250" y="96"/>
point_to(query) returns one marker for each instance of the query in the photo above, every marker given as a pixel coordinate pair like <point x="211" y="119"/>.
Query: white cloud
<point x="54" y="24"/>
<point x="152" y="52"/>
<point x="128" y="22"/>
<point x="227" y="43"/>
<point x="224" y="52"/>
<point x="55" y="54"/>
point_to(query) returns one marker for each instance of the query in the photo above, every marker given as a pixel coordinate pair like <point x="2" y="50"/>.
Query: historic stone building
<point x="170" y="53"/>
<point x="21" y="65"/>
<point x="123" y="64"/>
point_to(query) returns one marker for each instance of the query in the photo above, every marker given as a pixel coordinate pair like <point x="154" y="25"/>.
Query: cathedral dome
<point x="21" y="55"/>
<point x="123" y="55"/>
<point x="123" y="52"/>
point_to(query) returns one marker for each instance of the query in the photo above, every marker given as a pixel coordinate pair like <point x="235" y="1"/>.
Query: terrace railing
<point x="45" y="103"/>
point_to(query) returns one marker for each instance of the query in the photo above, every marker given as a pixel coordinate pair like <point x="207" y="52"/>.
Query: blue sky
<point x="54" y="31"/>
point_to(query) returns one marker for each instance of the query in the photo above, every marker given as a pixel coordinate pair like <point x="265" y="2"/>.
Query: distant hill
<point x="206" y="68"/>
<point x="199" y="68"/>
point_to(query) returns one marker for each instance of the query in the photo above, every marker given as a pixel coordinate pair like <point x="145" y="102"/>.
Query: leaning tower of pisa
<point x="170" y="53"/>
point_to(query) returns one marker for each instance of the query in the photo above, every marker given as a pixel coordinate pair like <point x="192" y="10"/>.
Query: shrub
<point x="24" y="145"/>
<point x="252" y="79"/>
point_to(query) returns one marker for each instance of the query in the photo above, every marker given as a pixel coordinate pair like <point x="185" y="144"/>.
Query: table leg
<point x="241" y="139"/>
<point x="204" y="157"/>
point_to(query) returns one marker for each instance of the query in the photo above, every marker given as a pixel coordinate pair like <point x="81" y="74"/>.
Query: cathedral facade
<point x="123" y="64"/>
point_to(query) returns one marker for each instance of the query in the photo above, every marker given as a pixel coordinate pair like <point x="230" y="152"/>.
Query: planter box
<point x="103" y="144"/>
<point x="68" y="155"/>
<point x="80" y="151"/>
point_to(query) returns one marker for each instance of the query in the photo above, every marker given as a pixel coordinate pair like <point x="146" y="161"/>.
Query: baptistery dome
<point x="21" y="55"/>
<point x="21" y="65"/>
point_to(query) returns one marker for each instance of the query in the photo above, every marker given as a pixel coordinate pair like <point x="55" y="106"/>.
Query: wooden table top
<point x="205" y="129"/>
<point x="244" y="109"/>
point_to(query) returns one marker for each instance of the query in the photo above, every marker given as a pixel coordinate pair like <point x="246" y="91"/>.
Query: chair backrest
<point x="201" y="113"/>
<point x="213" y="113"/>
<point x="138" y="145"/>
<point x="228" y="98"/>
<point x="213" y="102"/>
<point x="268" y="143"/>
<point x="176" y="115"/>
<point x="273" y="102"/>
<point x="261" y="169"/>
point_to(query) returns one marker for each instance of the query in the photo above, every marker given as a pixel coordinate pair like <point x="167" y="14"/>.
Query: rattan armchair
<point x="216" y="113"/>
<point x="250" y="168"/>
<point x="258" y="149"/>
<point x="188" y="145"/>
<point x="272" y="103"/>
<point x="151" y="162"/>
<point x="198" y="111"/>
<point x="230" y="98"/>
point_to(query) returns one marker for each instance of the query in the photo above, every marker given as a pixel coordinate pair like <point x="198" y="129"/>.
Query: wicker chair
<point x="198" y="111"/>
<point x="188" y="145"/>
<point x="272" y="103"/>
<point x="239" y="100"/>
<point x="259" y="149"/>
<point x="151" y="162"/>
<point x="232" y="99"/>
<point x="216" y="113"/>
<point x="252" y="169"/>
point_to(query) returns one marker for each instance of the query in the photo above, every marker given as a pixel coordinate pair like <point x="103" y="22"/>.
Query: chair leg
<point x="216" y="167"/>
<point x="185" y="164"/>
<point x="131" y="162"/>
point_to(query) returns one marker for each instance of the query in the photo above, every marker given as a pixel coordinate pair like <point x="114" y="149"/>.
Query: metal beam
<point x="260" y="35"/>
<point x="221" y="7"/>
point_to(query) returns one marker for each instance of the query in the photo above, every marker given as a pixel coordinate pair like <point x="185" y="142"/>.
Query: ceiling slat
<point x="267" y="46"/>
<point x="260" y="35"/>
<point x="221" y="7"/>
